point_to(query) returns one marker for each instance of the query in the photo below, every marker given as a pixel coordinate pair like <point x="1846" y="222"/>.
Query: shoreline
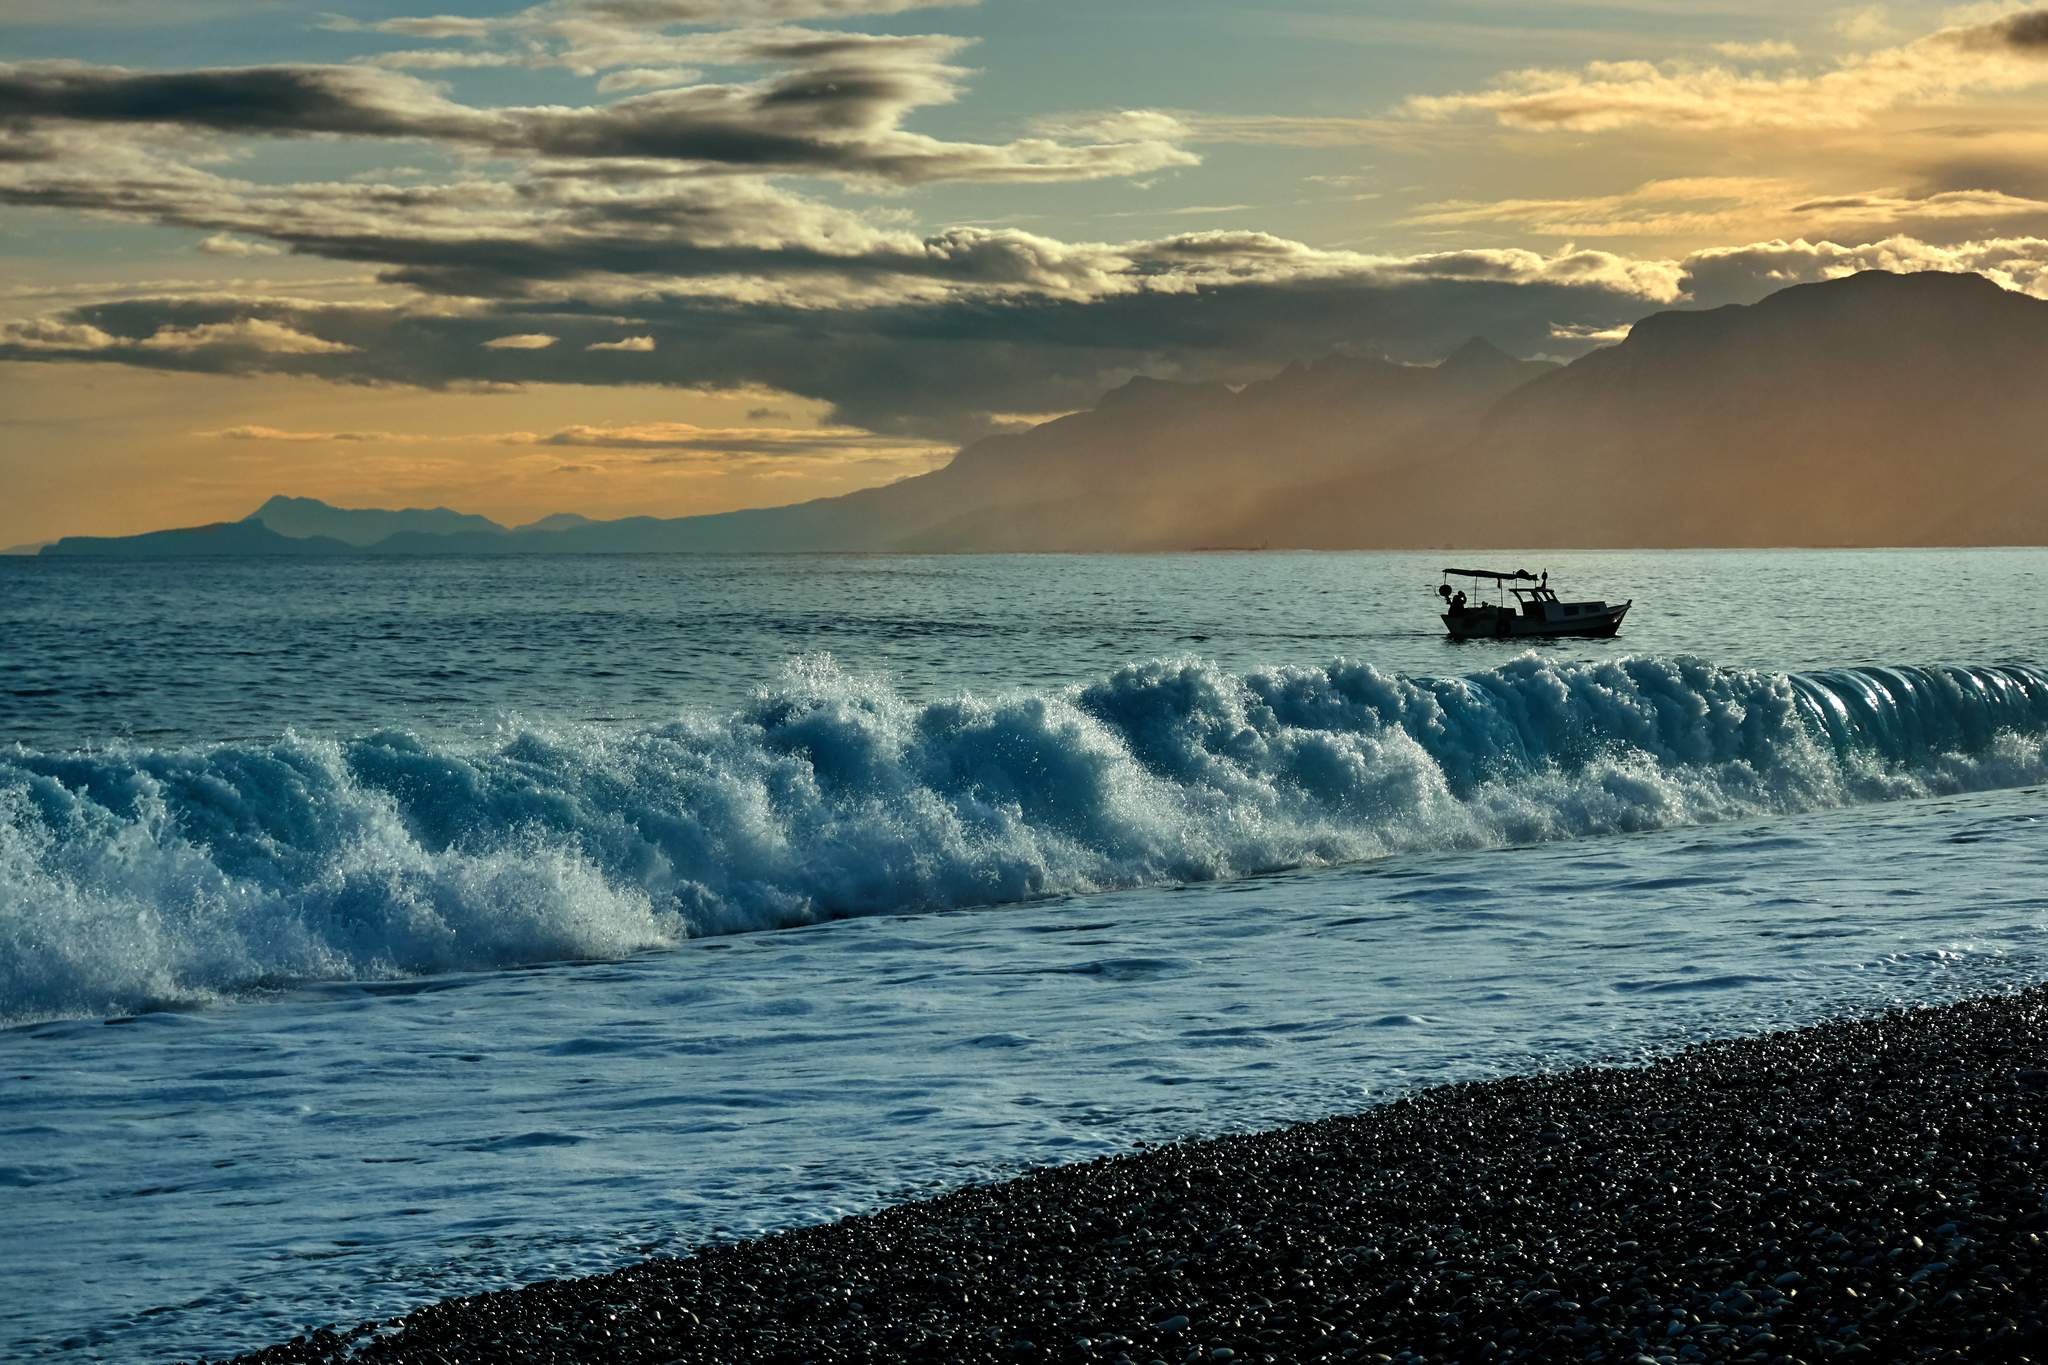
<point x="1870" y="1188"/>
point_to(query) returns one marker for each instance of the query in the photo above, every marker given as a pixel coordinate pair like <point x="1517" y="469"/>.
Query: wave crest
<point x="137" y="876"/>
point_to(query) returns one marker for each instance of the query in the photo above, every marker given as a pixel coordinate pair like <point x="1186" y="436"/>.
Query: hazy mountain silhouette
<point x="1159" y="465"/>
<point x="249" y="538"/>
<point x="304" y="517"/>
<point x="1875" y="410"/>
<point x="557" y="521"/>
<point x="1880" y="409"/>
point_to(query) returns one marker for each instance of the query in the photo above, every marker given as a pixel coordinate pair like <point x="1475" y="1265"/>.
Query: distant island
<point x="1879" y="409"/>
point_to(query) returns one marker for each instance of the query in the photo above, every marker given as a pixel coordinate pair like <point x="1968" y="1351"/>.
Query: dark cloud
<point x="837" y="111"/>
<point x="683" y="439"/>
<point x="348" y="100"/>
<point x="2025" y="32"/>
<point x="945" y="368"/>
<point x="930" y="371"/>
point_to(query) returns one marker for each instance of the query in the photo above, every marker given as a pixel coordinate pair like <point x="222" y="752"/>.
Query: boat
<point x="1536" y="613"/>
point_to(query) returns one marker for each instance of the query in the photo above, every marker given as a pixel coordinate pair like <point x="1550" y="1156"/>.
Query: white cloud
<point x="1745" y="272"/>
<point x="2004" y="55"/>
<point x="640" y="344"/>
<point x="521" y="341"/>
<point x="54" y="334"/>
<point x="1718" y="206"/>
<point x="647" y="78"/>
<point x="263" y="433"/>
<point x="1605" y="336"/>
<point x="1866" y="24"/>
<point x="254" y="334"/>
<point x="225" y="244"/>
<point x="1770" y="50"/>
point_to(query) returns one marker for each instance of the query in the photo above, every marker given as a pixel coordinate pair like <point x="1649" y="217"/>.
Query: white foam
<point x="133" y="877"/>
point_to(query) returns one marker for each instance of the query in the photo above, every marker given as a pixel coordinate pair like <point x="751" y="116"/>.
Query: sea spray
<point x="133" y="877"/>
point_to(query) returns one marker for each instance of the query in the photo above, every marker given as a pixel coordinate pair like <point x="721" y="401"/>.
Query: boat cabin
<point x="1537" y="610"/>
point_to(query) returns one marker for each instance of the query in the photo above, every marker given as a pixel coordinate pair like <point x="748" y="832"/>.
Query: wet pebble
<point x="1869" y="1189"/>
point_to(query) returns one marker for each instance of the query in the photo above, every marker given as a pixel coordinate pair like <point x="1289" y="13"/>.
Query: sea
<point x="377" y="930"/>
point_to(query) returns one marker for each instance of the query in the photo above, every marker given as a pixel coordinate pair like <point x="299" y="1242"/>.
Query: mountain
<point x="1874" y="410"/>
<point x="240" y="538"/>
<point x="1155" y="464"/>
<point x="310" y="517"/>
<point x="1158" y="465"/>
<point x="32" y="547"/>
<point x="559" y="521"/>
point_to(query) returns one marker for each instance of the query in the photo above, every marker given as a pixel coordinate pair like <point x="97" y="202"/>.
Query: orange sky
<point x="573" y="256"/>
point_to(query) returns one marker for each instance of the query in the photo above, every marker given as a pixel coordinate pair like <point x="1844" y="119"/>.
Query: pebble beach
<point x="1871" y="1189"/>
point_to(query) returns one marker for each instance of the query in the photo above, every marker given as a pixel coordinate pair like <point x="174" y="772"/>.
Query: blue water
<point x="371" y="931"/>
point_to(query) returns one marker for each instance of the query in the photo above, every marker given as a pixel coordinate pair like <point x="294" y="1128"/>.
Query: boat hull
<point x="1602" y="623"/>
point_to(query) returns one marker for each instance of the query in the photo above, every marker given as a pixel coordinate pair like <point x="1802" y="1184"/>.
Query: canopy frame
<point x="1513" y="576"/>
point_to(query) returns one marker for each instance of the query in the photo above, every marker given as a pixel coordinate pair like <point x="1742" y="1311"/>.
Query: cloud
<point x="1186" y="211"/>
<point x="1310" y="130"/>
<point x="1657" y="208"/>
<point x="1702" y="206"/>
<point x="1866" y="24"/>
<point x="1114" y="125"/>
<point x="639" y="14"/>
<point x="974" y="355"/>
<point x="251" y="334"/>
<point x="1890" y="206"/>
<point x="568" y="238"/>
<point x="831" y="444"/>
<point x="647" y="78"/>
<point x="1742" y="273"/>
<point x="430" y="26"/>
<point x="664" y="12"/>
<point x="524" y="341"/>
<point x="683" y="437"/>
<point x="1253" y="304"/>
<point x="224" y="244"/>
<point x="263" y="433"/>
<point x="1768" y="51"/>
<point x="833" y="104"/>
<point x="448" y="59"/>
<point x="344" y="100"/>
<point x="30" y="335"/>
<point x="2004" y="55"/>
<point x="124" y="13"/>
<point x="1605" y="336"/>
<point x="641" y="344"/>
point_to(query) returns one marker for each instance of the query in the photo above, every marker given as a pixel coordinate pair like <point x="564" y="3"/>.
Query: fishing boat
<point x="1535" y="612"/>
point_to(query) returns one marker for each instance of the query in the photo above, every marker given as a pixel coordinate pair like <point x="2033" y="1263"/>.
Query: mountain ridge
<point x="1873" y="409"/>
<point x="309" y="518"/>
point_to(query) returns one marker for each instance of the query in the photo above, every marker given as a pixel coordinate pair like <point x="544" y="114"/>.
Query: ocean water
<point x="372" y="931"/>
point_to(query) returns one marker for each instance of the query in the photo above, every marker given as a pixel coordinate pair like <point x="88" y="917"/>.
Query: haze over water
<point x="346" y="819"/>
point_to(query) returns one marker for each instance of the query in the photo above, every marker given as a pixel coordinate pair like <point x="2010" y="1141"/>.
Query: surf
<point x="134" y="877"/>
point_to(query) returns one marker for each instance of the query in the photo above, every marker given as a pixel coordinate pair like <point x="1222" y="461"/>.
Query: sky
<point x="665" y="257"/>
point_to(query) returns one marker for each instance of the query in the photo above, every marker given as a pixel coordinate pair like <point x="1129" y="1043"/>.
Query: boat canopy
<point x="1515" y="576"/>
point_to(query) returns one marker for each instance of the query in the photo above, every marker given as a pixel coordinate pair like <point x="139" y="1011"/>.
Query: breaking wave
<point x="133" y="877"/>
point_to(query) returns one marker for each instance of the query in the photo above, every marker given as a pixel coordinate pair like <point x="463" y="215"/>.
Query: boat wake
<point x="136" y="877"/>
